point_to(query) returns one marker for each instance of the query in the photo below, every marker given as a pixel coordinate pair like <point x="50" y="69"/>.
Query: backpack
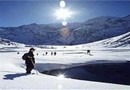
<point x="25" y="56"/>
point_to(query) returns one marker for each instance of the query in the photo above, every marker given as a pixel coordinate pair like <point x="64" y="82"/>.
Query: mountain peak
<point x="33" y="24"/>
<point x="98" y="28"/>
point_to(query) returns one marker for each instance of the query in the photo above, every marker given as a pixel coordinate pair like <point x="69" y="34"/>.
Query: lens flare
<point x="63" y="13"/>
<point x="64" y="23"/>
<point x="62" y="4"/>
<point x="65" y="32"/>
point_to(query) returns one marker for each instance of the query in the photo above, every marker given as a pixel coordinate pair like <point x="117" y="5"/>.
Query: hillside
<point x="92" y="30"/>
<point x="118" y="41"/>
<point x="8" y="43"/>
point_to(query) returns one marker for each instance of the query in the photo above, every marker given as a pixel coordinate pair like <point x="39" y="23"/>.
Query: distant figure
<point x="88" y="52"/>
<point x="54" y="53"/>
<point x="46" y="53"/>
<point x="17" y="52"/>
<point x="37" y="54"/>
<point x="51" y="53"/>
<point x="29" y="60"/>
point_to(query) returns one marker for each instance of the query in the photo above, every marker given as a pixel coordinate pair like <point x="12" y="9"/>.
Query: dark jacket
<point x="30" y="61"/>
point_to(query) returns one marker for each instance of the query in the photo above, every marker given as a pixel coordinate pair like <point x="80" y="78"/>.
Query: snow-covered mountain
<point x="92" y="30"/>
<point x="8" y="43"/>
<point x="118" y="41"/>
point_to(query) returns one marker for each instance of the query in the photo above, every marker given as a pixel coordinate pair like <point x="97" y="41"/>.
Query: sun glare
<point x="63" y="14"/>
<point x="61" y="76"/>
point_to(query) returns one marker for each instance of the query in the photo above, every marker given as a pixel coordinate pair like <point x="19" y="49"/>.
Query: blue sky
<point x="16" y="13"/>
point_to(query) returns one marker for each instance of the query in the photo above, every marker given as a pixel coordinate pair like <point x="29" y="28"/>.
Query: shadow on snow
<point x="13" y="76"/>
<point x="118" y="73"/>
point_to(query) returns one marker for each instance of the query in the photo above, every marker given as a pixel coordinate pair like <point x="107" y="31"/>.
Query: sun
<point x="63" y="13"/>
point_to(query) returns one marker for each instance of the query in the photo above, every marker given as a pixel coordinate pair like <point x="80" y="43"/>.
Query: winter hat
<point x="32" y="49"/>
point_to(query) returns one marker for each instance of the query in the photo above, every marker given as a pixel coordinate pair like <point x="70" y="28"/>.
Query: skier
<point x="88" y="52"/>
<point x="46" y="53"/>
<point x="54" y="53"/>
<point x="17" y="52"/>
<point x="30" y="61"/>
<point x="51" y="53"/>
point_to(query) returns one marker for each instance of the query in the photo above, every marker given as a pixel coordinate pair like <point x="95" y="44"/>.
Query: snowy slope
<point x="118" y="41"/>
<point x="8" y="43"/>
<point x="12" y="69"/>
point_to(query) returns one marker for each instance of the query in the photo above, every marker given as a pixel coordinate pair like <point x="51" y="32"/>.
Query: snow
<point x="98" y="28"/>
<point x="7" y="43"/>
<point x="118" y="41"/>
<point x="12" y="68"/>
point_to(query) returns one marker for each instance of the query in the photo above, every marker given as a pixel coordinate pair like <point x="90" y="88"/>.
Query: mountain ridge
<point x="92" y="30"/>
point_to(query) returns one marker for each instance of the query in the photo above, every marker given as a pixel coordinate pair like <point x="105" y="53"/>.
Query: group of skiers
<point x="52" y="54"/>
<point x="30" y="60"/>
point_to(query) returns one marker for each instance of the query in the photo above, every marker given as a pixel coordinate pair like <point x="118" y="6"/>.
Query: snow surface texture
<point x="118" y="41"/>
<point x="12" y="68"/>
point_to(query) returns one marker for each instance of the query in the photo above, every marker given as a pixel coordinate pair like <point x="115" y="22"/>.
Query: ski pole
<point x="34" y="67"/>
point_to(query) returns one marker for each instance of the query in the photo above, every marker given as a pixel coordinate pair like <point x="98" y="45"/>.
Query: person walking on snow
<point x="30" y="61"/>
<point x="88" y="52"/>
